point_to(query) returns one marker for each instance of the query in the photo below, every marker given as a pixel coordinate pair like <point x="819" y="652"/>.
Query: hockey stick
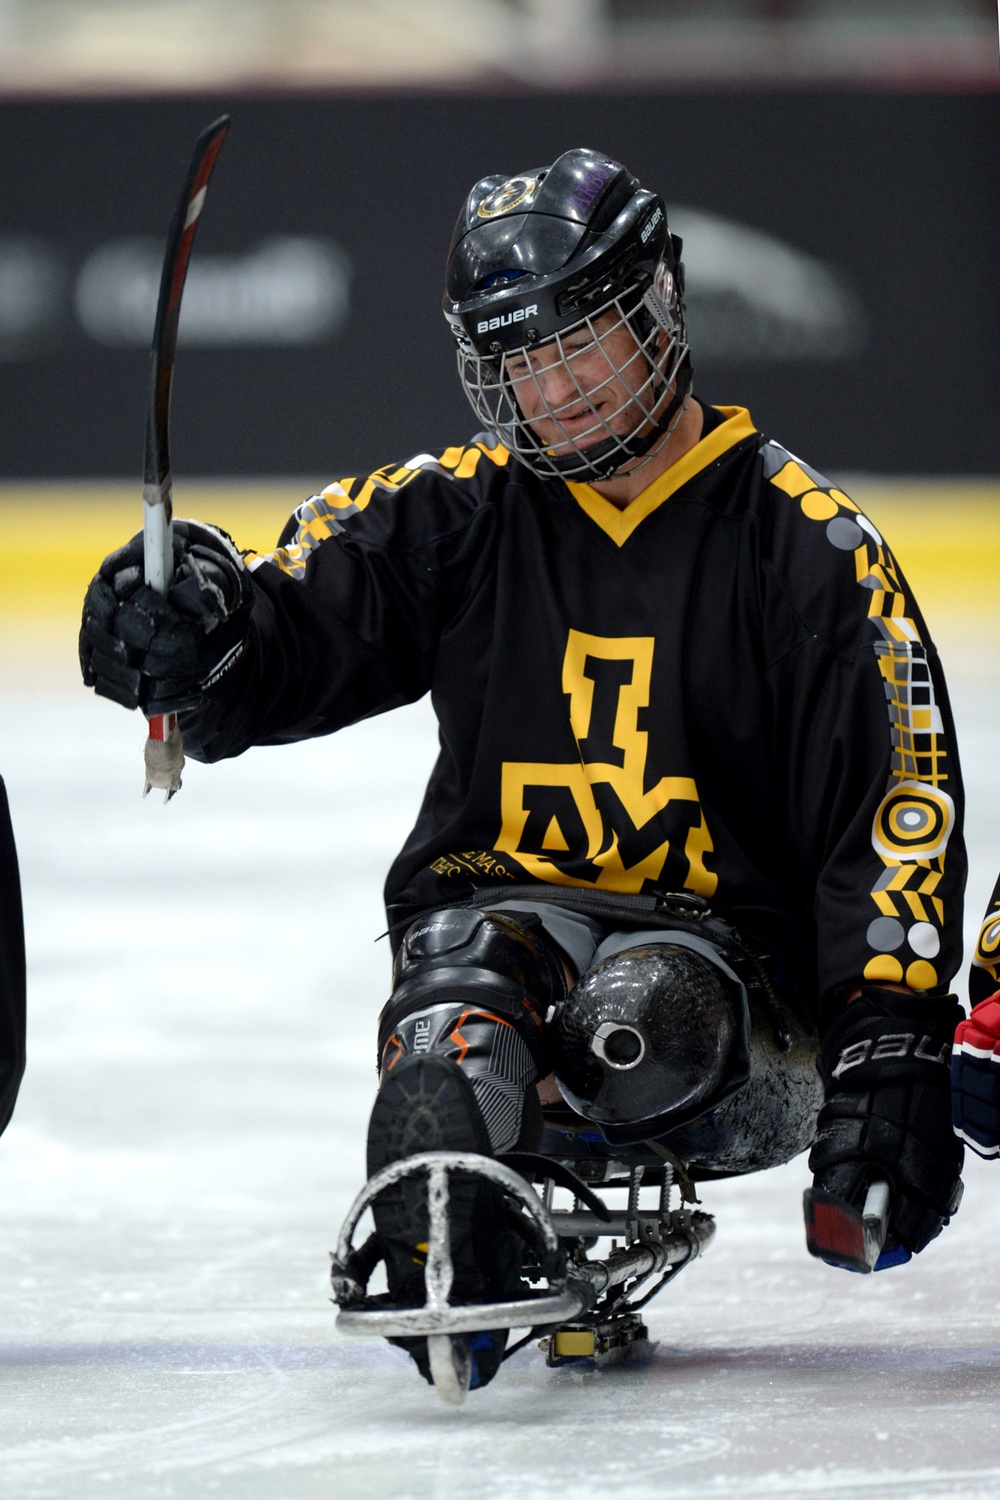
<point x="843" y="1235"/>
<point x="164" y="754"/>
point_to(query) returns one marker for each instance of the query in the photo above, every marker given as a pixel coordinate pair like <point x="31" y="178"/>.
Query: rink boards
<point x="945" y="534"/>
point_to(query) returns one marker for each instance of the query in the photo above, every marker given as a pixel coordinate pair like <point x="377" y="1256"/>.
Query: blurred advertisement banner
<point x="284" y="291"/>
<point x="841" y="251"/>
<point x="751" y="297"/>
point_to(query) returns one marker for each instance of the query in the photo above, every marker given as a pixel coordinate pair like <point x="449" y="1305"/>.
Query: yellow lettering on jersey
<point x="598" y="808"/>
<point x="554" y="838"/>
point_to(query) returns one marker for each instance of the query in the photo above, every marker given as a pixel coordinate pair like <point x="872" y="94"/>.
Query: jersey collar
<point x="620" y="524"/>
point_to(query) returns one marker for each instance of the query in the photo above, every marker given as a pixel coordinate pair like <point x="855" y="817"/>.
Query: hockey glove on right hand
<point x="158" y="654"/>
<point x="975" y="1078"/>
<point x="885" y="1065"/>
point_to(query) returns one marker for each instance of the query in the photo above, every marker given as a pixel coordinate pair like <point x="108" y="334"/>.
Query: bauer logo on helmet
<point x="503" y="320"/>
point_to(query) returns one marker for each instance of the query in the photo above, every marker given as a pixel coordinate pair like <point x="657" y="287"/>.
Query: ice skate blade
<point x="603" y="1344"/>
<point x="451" y="1368"/>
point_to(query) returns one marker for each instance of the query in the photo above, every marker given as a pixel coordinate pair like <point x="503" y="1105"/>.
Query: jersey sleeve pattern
<point x="984" y="976"/>
<point x="915" y="818"/>
<point x="324" y="515"/>
<point x="350" y="606"/>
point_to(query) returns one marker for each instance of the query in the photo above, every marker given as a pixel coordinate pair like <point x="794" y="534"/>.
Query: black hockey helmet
<point x="651" y="1038"/>
<point x="542" y="258"/>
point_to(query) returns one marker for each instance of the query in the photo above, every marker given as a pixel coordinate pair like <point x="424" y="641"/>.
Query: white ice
<point x="204" y="981"/>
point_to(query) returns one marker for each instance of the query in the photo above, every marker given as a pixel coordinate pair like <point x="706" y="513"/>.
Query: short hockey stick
<point x="164" y="755"/>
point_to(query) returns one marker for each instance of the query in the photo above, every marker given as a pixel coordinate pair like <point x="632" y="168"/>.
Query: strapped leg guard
<point x="460" y="1045"/>
<point x="475" y="987"/>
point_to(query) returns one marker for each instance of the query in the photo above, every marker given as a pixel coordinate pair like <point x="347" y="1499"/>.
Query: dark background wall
<point x="896" y="195"/>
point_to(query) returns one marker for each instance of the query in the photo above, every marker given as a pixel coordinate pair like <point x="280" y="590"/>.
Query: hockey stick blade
<point x="843" y="1235"/>
<point x="164" y="754"/>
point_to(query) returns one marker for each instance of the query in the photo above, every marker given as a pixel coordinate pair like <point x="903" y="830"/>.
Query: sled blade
<point x="451" y="1367"/>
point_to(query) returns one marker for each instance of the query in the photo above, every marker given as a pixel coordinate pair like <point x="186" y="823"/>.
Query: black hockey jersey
<point x="725" y="688"/>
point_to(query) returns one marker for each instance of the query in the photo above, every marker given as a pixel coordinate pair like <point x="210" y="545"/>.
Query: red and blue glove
<point x="975" y="1078"/>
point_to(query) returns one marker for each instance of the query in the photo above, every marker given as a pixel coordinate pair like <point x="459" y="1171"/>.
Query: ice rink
<point x="203" y="986"/>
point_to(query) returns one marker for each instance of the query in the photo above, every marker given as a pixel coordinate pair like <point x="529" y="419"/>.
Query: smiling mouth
<point x="583" y="416"/>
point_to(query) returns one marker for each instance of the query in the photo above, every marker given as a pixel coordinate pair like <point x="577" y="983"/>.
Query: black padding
<point x="12" y="968"/>
<point x="442" y="932"/>
<point x="456" y="984"/>
<point x="476" y="958"/>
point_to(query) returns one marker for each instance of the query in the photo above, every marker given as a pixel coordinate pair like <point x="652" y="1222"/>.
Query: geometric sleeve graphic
<point x="913" y="822"/>
<point x="987" y="954"/>
<point x="323" y="516"/>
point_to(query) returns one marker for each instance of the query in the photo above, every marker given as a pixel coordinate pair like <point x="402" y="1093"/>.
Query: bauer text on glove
<point x="887" y="1116"/>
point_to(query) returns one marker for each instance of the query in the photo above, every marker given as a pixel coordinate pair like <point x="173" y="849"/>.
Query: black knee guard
<point x="475" y="986"/>
<point x="651" y="1038"/>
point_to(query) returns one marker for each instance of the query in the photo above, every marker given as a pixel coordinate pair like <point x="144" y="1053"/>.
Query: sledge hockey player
<point x="975" y="1058"/>
<point x="695" y="825"/>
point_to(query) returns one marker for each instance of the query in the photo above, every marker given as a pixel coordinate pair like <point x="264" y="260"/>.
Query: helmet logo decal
<point x="593" y="184"/>
<point x="650" y="224"/>
<point x="659" y="298"/>
<point x="504" y="319"/>
<point x="509" y="195"/>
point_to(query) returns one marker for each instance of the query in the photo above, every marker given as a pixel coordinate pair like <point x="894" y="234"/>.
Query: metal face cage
<point x="604" y="392"/>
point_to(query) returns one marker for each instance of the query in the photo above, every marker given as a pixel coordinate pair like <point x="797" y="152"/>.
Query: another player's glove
<point x="975" y="1078"/>
<point x="158" y="654"/>
<point x="885" y="1067"/>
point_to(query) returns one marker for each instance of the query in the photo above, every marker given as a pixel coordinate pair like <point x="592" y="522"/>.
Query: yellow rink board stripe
<point x="53" y="537"/>
<point x="945" y="535"/>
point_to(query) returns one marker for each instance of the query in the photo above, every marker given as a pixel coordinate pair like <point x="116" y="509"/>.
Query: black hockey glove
<point x="885" y="1064"/>
<point x="159" y="654"/>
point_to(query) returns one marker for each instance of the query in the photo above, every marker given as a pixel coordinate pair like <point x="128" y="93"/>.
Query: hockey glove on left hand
<point x="975" y="1078"/>
<point x="158" y="654"/>
<point x="885" y="1065"/>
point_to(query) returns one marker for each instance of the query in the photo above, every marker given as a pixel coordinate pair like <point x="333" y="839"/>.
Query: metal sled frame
<point x="584" y="1293"/>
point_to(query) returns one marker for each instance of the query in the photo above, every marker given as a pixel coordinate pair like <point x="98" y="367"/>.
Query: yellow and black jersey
<point x="725" y="688"/>
<point x="984" y="975"/>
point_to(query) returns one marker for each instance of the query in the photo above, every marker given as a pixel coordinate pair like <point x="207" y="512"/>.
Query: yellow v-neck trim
<point x="620" y="524"/>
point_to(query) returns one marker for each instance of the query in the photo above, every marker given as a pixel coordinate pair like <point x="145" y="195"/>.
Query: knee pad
<point x="475" y="986"/>
<point x="651" y="1038"/>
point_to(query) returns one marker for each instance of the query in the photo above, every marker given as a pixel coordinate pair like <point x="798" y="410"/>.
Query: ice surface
<point x="204" y="981"/>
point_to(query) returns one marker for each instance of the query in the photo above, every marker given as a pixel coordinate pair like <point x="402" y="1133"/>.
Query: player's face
<point x="574" y="389"/>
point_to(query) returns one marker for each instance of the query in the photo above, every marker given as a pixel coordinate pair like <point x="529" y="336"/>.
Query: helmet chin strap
<point x="611" y="455"/>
